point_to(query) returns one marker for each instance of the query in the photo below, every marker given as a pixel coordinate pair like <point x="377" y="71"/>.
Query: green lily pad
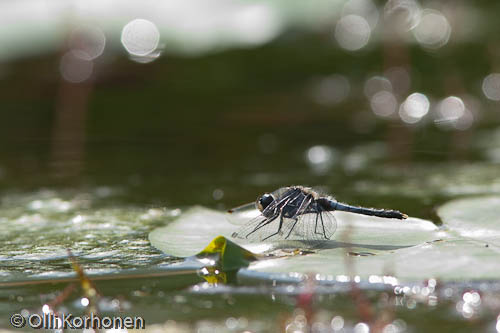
<point x="374" y="245"/>
<point x="476" y="218"/>
<point x="449" y="259"/>
<point x="413" y="249"/>
<point x="190" y="233"/>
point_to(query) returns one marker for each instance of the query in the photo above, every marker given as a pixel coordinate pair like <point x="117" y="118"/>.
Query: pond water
<point x="408" y="123"/>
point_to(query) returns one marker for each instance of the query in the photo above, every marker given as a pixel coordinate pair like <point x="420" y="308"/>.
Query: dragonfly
<point x="299" y="213"/>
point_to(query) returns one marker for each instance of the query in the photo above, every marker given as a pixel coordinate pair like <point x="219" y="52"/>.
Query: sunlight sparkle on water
<point x="75" y="66"/>
<point x="140" y="37"/>
<point x="88" y="40"/>
<point x="320" y="158"/>
<point x="255" y="23"/>
<point x="352" y="32"/>
<point x="361" y="328"/>
<point x="491" y="86"/>
<point x="84" y="301"/>
<point x="337" y="323"/>
<point x="433" y="30"/>
<point x="451" y="108"/>
<point x="404" y="15"/>
<point x="376" y="84"/>
<point x="383" y="103"/>
<point x="363" y="8"/>
<point x="452" y="113"/>
<point x="472" y="297"/>
<point x="414" y="108"/>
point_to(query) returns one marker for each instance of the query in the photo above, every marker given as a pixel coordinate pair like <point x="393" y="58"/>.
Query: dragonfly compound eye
<point x="264" y="201"/>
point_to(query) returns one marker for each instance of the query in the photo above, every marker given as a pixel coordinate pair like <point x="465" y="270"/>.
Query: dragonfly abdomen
<point x="392" y="214"/>
<point x="331" y="205"/>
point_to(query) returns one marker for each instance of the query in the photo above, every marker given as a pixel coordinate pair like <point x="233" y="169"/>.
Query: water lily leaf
<point x="412" y="249"/>
<point x="448" y="259"/>
<point x="190" y="234"/>
<point x="477" y="218"/>
<point x="467" y="250"/>
<point x="376" y="245"/>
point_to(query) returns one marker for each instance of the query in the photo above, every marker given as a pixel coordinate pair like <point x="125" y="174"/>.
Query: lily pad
<point x="413" y="249"/>
<point x="477" y="218"/>
<point x="362" y="245"/>
<point x="449" y="259"/>
<point x="190" y="233"/>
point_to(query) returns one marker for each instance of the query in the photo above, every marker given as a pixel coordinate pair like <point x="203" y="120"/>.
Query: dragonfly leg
<point x="323" y="225"/>
<point x="316" y="225"/>
<point x="262" y="224"/>
<point x="279" y="229"/>
<point x="291" y="229"/>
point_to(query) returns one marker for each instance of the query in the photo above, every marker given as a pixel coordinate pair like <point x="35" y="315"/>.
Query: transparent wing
<point x="311" y="226"/>
<point x="314" y="225"/>
<point x="257" y="229"/>
<point x="243" y="207"/>
<point x="282" y="191"/>
<point x="264" y="228"/>
<point x="318" y="226"/>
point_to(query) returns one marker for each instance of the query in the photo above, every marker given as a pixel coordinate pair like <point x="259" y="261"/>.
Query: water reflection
<point x="433" y="31"/>
<point x="337" y="323"/>
<point x="89" y="41"/>
<point x="451" y="113"/>
<point x="403" y="15"/>
<point x="321" y="158"/>
<point x="383" y="104"/>
<point x="491" y="86"/>
<point x="352" y="32"/>
<point x="140" y="37"/>
<point x="376" y="84"/>
<point x="76" y="67"/>
<point x="255" y="24"/>
<point x="414" y="108"/>
<point x="364" y="8"/>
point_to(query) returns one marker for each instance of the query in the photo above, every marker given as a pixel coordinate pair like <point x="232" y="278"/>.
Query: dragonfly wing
<point x="247" y="206"/>
<point x="314" y="226"/>
<point x="282" y="191"/>
<point x="273" y="224"/>
<point x="266" y="227"/>
<point x="258" y="229"/>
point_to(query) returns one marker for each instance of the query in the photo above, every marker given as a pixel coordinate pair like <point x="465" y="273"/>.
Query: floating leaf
<point x="371" y="245"/>
<point x="449" y="259"/>
<point x="476" y="217"/>
<point x="190" y="233"/>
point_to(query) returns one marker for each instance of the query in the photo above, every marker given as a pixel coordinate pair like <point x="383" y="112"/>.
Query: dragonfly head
<point x="264" y="201"/>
